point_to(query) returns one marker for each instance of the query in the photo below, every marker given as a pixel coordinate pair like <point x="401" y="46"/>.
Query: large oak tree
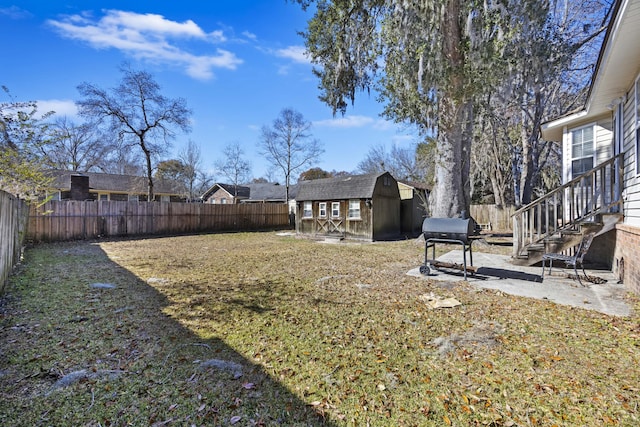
<point x="434" y="63"/>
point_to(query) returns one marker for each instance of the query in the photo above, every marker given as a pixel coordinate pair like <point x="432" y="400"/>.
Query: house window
<point x="133" y="198"/>
<point x="354" y="209"/>
<point x="322" y="210"/>
<point x="223" y="201"/>
<point x="103" y="197"/>
<point x="165" y="199"/>
<point x="307" y="211"/>
<point x="335" y="209"/>
<point x="581" y="150"/>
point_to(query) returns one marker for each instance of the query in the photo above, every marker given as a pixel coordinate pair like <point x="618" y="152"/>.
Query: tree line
<point x="128" y="130"/>
<point x="475" y="80"/>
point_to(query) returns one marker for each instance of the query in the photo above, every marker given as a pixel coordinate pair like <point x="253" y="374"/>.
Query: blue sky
<point x="237" y="63"/>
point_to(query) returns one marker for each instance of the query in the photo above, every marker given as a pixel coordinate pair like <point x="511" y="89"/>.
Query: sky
<point x="236" y="63"/>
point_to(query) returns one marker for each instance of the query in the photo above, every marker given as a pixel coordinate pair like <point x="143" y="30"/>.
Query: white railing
<point x="563" y="209"/>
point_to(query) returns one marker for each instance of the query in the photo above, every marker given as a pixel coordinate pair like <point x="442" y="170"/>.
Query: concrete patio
<point x="496" y="272"/>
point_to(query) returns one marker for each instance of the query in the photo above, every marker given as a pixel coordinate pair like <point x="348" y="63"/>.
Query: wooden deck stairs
<point x="556" y="222"/>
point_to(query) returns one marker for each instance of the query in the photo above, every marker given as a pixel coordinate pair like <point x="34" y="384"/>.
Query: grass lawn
<point x="259" y="329"/>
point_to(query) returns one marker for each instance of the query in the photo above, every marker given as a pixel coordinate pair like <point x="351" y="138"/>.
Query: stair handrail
<point x="532" y="225"/>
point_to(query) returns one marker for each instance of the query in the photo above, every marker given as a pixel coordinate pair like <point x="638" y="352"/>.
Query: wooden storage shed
<point x="353" y="207"/>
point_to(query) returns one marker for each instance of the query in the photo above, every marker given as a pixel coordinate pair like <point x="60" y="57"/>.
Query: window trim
<point x="354" y="210"/>
<point x="307" y="213"/>
<point x="322" y="210"/>
<point x="335" y="213"/>
<point x="593" y="154"/>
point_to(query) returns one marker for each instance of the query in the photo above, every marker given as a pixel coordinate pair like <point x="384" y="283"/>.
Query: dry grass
<point x="296" y="333"/>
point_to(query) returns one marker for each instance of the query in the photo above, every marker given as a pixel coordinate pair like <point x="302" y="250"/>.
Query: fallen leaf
<point x="235" y="419"/>
<point x="248" y="386"/>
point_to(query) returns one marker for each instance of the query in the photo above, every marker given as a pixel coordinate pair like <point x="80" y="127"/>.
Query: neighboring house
<point x="271" y="193"/>
<point x="601" y="145"/>
<point x="70" y="185"/>
<point x="413" y="199"/>
<point x="221" y="194"/>
<point x="360" y="207"/>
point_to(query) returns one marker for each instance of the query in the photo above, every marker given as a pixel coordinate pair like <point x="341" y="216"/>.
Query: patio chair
<point x="571" y="260"/>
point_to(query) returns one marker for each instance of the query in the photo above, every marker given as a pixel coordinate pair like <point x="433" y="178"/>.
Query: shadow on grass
<point x="77" y="354"/>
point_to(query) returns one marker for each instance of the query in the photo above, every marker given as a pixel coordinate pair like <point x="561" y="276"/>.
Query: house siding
<point x="603" y="139"/>
<point x="631" y="178"/>
<point x="627" y="251"/>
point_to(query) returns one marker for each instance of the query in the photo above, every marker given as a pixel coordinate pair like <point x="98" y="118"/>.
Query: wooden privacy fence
<point x="13" y="220"/>
<point x="498" y="218"/>
<point x="74" y="220"/>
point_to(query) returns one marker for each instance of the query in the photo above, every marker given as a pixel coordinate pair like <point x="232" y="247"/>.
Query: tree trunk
<point x="147" y="156"/>
<point x="450" y="195"/>
<point x="451" y="191"/>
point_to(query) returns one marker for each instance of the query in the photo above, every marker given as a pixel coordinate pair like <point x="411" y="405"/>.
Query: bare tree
<point x="234" y="167"/>
<point x="288" y="145"/>
<point x="76" y="147"/>
<point x="124" y="160"/>
<point x="190" y="156"/>
<point x="138" y="112"/>
<point x="402" y="162"/>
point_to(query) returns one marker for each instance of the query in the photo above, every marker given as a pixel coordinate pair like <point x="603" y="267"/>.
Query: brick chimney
<point x="79" y="187"/>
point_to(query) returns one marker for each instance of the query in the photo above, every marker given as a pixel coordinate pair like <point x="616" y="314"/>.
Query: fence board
<point x="499" y="218"/>
<point x="13" y="223"/>
<point x="71" y="220"/>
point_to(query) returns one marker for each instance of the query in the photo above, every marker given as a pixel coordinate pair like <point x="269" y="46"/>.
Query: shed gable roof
<point x="340" y="188"/>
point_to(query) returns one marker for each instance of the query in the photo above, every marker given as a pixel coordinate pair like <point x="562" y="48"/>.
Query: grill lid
<point x="449" y="228"/>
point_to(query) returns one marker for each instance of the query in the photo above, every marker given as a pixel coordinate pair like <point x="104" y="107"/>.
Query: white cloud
<point x="296" y="53"/>
<point x="345" y="122"/>
<point x="14" y="12"/>
<point x="150" y="37"/>
<point x="250" y="35"/>
<point x="61" y="107"/>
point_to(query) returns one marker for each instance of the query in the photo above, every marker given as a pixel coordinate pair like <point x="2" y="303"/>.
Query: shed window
<point x="354" y="209"/>
<point x="581" y="150"/>
<point x="322" y="209"/>
<point x="307" y="211"/>
<point x="335" y="209"/>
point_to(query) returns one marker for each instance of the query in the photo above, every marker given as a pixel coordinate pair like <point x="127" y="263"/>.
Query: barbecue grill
<point x="451" y="231"/>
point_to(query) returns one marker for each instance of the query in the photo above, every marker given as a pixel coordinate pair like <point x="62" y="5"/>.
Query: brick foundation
<point x="627" y="256"/>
